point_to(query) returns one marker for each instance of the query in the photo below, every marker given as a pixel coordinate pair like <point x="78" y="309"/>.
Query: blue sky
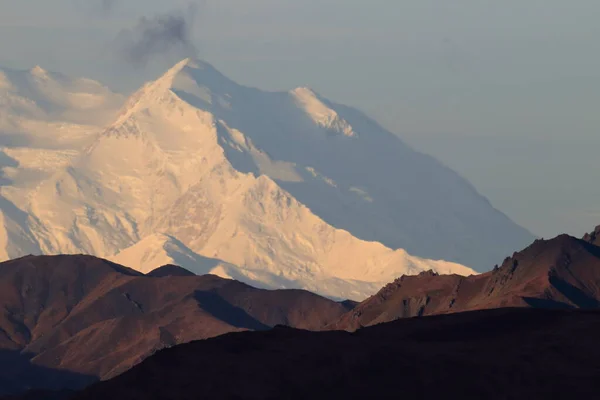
<point x="505" y="92"/>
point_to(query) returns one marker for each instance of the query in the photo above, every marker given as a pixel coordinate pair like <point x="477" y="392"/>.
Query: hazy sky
<point x="505" y="92"/>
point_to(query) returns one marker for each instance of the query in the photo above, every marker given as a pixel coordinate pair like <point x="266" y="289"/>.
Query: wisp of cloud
<point x="162" y="35"/>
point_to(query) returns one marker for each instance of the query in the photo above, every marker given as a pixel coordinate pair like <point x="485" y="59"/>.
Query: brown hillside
<point x="87" y="316"/>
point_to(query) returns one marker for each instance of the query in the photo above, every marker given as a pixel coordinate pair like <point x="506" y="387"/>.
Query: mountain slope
<point x="281" y="190"/>
<point x="493" y="354"/>
<point x="560" y="273"/>
<point x="159" y="186"/>
<point x="97" y="319"/>
<point x="349" y="171"/>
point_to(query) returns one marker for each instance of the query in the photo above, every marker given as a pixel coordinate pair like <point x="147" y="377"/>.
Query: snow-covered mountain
<point x="277" y="189"/>
<point x="46" y="119"/>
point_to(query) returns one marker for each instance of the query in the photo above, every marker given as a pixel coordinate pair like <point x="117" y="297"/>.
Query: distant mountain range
<point x="279" y="190"/>
<point x="70" y="320"/>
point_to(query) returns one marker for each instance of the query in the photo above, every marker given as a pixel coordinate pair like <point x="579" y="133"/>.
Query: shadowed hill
<point x="493" y="354"/>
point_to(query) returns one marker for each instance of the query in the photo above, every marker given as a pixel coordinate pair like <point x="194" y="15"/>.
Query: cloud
<point x="162" y="35"/>
<point x="107" y="5"/>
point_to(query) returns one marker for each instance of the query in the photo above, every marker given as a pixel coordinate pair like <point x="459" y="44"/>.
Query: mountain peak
<point x="39" y="72"/>
<point x="189" y="76"/>
<point x="177" y="68"/>
<point x="197" y="63"/>
<point x="193" y="68"/>
<point x="321" y="113"/>
<point x="305" y="91"/>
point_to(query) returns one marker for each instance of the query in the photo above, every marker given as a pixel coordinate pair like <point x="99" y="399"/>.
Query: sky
<point x="504" y="92"/>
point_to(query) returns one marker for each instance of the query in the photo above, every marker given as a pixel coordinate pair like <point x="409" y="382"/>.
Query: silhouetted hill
<point x="492" y="354"/>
